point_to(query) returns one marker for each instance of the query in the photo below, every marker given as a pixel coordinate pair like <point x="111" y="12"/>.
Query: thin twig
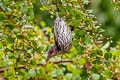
<point x="40" y="64"/>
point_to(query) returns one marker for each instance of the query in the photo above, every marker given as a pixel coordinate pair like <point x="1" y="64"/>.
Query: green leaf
<point x="34" y="44"/>
<point x="40" y="48"/>
<point x="33" y="62"/>
<point x="24" y="9"/>
<point x="27" y="76"/>
<point x="77" y="23"/>
<point x="79" y="50"/>
<point x="41" y="71"/>
<point x="31" y="33"/>
<point x="87" y="39"/>
<point x="42" y="23"/>
<point x="10" y="72"/>
<point x="84" y="75"/>
<point x="75" y="43"/>
<point x="5" y="64"/>
<point x="32" y="73"/>
<point x="97" y="61"/>
<point x="82" y="32"/>
<point x="10" y="39"/>
<point x="82" y="61"/>
<point x="22" y="71"/>
<point x="19" y="36"/>
<point x="10" y="25"/>
<point x="68" y="76"/>
<point x="19" y="3"/>
<point x="101" y="30"/>
<point x="16" y="30"/>
<point x="77" y="33"/>
<point x="2" y="16"/>
<point x="107" y="72"/>
<point x="12" y="78"/>
<point x="50" y="67"/>
<point x="33" y="1"/>
<point x="75" y="72"/>
<point x="99" y="52"/>
<point x="1" y="45"/>
<point x="107" y="63"/>
<point x="95" y="76"/>
<point x="70" y="67"/>
<point x="3" y="6"/>
<point x="93" y="54"/>
<point x="59" y="72"/>
<point x="77" y="77"/>
<point x="108" y="56"/>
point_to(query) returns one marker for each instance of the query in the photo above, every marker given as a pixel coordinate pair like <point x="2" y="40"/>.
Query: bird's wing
<point x="62" y="34"/>
<point x="56" y="35"/>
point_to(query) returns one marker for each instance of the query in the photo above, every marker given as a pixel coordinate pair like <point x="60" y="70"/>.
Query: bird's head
<point x="52" y="52"/>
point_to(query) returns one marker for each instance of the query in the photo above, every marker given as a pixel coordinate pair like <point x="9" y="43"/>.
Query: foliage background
<point x="26" y="34"/>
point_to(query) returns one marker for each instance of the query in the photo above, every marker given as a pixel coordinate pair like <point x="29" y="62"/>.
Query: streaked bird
<point x="62" y="37"/>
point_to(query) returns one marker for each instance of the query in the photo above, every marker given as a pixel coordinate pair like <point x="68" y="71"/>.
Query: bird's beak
<point x="48" y="58"/>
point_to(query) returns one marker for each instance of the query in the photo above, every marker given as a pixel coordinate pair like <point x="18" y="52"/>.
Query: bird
<point x="62" y="38"/>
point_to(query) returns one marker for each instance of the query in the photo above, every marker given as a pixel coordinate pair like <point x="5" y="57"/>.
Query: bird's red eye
<point x="51" y="51"/>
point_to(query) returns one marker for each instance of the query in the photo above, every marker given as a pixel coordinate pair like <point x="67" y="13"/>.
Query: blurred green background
<point x="109" y="18"/>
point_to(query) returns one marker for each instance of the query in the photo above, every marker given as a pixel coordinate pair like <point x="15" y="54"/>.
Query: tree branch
<point x="40" y="64"/>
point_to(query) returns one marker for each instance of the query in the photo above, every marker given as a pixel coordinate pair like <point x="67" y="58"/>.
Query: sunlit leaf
<point x="70" y="67"/>
<point x="32" y="73"/>
<point x="41" y="71"/>
<point x="68" y="76"/>
<point x="82" y="61"/>
<point x="59" y="72"/>
<point x="95" y="76"/>
<point x="24" y="9"/>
